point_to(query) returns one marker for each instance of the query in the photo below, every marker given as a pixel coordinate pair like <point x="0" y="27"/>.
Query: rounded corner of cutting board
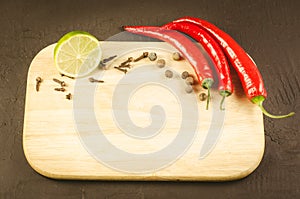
<point x="40" y="170"/>
<point x="255" y="164"/>
<point x="35" y="166"/>
<point x="250" y="168"/>
<point x="44" y="50"/>
<point x="243" y="174"/>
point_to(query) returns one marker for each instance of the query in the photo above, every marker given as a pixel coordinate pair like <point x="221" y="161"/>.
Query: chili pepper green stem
<point x="224" y="94"/>
<point x="207" y="83"/>
<point x="208" y="98"/>
<point x="222" y="103"/>
<point x="259" y="101"/>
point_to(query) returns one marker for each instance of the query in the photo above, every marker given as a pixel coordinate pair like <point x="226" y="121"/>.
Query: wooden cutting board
<point x="61" y="140"/>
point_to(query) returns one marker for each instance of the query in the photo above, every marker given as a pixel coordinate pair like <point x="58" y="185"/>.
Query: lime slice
<point x="77" y="54"/>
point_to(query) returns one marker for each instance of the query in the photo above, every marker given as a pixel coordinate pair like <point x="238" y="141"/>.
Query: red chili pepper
<point x="187" y="48"/>
<point x="244" y="65"/>
<point x="214" y="51"/>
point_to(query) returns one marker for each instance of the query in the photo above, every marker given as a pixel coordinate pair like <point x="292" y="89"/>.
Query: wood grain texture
<point x="53" y="148"/>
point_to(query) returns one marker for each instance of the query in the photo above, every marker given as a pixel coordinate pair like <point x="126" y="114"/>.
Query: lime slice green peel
<point x="77" y="53"/>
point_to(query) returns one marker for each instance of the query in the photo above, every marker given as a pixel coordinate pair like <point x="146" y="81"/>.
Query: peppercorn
<point x="169" y="74"/>
<point x="189" y="89"/>
<point x="152" y="56"/>
<point x="176" y="56"/>
<point x="189" y="80"/>
<point x="202" y="96"/>
<point x="161" y="63"/>
<point x="185" y="74"/>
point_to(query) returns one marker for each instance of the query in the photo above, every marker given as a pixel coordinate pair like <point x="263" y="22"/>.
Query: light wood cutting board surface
<point x="56" y="130"/>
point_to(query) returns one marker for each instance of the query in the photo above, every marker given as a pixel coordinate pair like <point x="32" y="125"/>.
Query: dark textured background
<point x="268" y="29"/>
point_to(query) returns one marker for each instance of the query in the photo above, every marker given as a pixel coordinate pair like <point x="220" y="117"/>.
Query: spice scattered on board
<point x="69" y="96"/>
<point x="92" y="80"/>
<point x="104" y="61"/>
<point x="185" y="74"/>
<point x="124" y="66"/>
<point x="189" y="80"/>
<point x="62" y="83"/>
<point x="189" y="89"/>
<point x="62" y="89"/>
<point x="130" y="59"/>
<point x="152" y="56"/>
<point x="161" y="63"/>
<point x="144" y="55"/>
<point x="121" y="69"/>
<point x="169" y="74"/>
<point x="63" y="75"/>
<point x="176" y="56"/>
<point x="38" y="83"/>
<point x="202" y="96"/>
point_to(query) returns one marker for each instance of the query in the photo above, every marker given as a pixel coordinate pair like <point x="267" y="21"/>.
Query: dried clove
<point x="130" y="59"/>
<point x="144" y="55"/>
<point x="60" y="89"/>
<point x="104" y="61"/>
<point x="121" y="69"/>
<point x="63" y="75"/>
<point x="109" y="59"/>
<point x="69" y="96"/>
<point x="125" y="66"/>
<point x="91" y="79"/>
<point x="62" y="83"/>
<point x="38" y="83"/>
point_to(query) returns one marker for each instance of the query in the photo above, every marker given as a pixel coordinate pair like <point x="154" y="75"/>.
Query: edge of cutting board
<point x="150" y="177"/>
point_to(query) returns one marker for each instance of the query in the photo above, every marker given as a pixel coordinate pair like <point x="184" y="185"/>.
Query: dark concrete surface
<point x="268" y="29"/>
